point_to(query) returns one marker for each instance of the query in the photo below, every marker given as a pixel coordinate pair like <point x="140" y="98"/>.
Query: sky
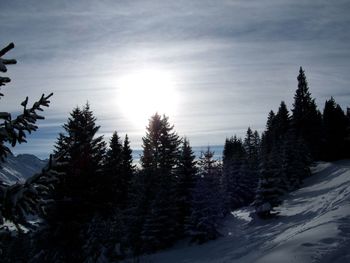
<point x="228" y="62"/>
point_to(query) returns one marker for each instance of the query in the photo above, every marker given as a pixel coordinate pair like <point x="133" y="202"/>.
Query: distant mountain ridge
<point x="19" y="168"/>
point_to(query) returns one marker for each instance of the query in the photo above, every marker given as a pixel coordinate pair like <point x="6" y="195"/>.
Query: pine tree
<point x="207" y="201"/>
<point x="282" y="122"/>
<point x="115" y="182"/>
<point x="306" y="119"/>
<point x="273" y="183"/>
<point x="135" y="214"/>
<point x="296" y="160"/>
<point x="77" y="198"/>
<point x="128" y="168"/>
<point x="13" y="130"/>
<point x="248" y="143"/>
<point x="237" y="176"/>
<point x="160" y="146"/>
<point x="186" y="179"/>
<point x="159" y="161"/>
<point x="335" y="126"/>
<point x="21" y="199"/>
<point x="283" y="163"/>
<point x="250" y="167"/>
<point x="268" y="136"/>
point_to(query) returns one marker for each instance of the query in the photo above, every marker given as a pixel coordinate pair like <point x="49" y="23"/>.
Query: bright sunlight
<point x="145" y="92"/>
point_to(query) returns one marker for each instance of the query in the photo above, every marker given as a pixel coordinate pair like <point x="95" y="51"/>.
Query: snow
<point x="313" y="225"/>
<point x="20" y="167"/>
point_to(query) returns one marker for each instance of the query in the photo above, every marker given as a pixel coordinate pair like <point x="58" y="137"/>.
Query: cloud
<point x="234" y="60"/>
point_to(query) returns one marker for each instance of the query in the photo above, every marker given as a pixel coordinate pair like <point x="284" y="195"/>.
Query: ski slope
<point x="313" y="226"/>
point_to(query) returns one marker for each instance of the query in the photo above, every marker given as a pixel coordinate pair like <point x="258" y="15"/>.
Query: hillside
<point x="313" y="226"/>
<point x="20" y="167"/>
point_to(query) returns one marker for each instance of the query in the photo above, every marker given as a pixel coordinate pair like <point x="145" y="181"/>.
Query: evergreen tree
<point x="159" y="161"/>
<point x="116" y="183"/>
<point x="186" y="179"/>
<point x="296" y="160"/>
<point x="207" y="201"/>
<point x="284" y="162"/>
<point x="136" y="212"/>
<point x="282" y="122"/>
<point x="268" y="136"/>
<point x="250" y="168"/>
<point x="306" y="119"/>
<point x="13" y="130"/>
<point x="272" y="183"/>
<point x="160" y="146"/>
<point x="238" y="181"/>
<point x="257" y="145"/>
<point x="347" y="136"/>
<point x="24" y="198"/>
<point x="77" y="198"/>
<point x="335" y="129"/>
<point x="128" y="168"/>
<point x="248" y="143"/>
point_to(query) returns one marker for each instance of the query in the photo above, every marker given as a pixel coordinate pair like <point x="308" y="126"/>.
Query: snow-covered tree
<point x="24" y="198"/>
<point x="19" y="199"/>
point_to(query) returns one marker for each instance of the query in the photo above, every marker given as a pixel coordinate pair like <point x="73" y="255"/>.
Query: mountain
<point x="313" y="225"/>
<point x="20" y="167"/>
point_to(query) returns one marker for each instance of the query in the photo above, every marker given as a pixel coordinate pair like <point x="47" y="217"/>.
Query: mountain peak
<point x="19" y="168"/>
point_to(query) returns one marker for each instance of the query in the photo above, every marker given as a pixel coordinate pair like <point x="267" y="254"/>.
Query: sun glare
<point x="143" y="93"/>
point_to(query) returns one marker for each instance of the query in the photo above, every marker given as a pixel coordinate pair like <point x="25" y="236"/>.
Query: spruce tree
<point x="273" y="183"/>
<point x="306" y="118"/>
<point x="207" y="201"/>
<point x="296" y="159"/>
<point x="115" y="182"/>
<point x="267" y="138"/>
<point x="160" y="146"/>
<point x="159" y="161"/>
<point x="250" y="166"/>
<point x="238" y="179"/>
<point x="128" y="167"/>
<point x="283" y="163"/>
<point x="282" y="122"/>
<point x="186" y="179"/>
<point x="77" y="197"/>
<point x="335" y="129"/>
<point x="24" y="198"/>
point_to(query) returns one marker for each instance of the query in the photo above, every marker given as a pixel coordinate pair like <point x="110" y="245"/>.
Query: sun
<point x="143" y="93"/>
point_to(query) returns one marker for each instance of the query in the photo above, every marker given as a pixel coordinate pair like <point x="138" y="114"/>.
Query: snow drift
<point x="313" y="226"/>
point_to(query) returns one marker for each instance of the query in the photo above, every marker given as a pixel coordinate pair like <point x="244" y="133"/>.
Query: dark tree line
<point x="96" y="206"/>
<point x="292" y="141"/>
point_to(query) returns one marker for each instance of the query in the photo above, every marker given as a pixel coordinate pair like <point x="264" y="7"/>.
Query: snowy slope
<point x="313" y="226"/>
<point x="20" y="167"/>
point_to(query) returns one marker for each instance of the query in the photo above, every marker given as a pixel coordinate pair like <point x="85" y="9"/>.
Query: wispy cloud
<point x="234" y="60"/>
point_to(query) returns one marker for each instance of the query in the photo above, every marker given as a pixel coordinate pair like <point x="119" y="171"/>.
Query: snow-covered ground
<point x="20" y="167"/>
<point x="313" y="226"/>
